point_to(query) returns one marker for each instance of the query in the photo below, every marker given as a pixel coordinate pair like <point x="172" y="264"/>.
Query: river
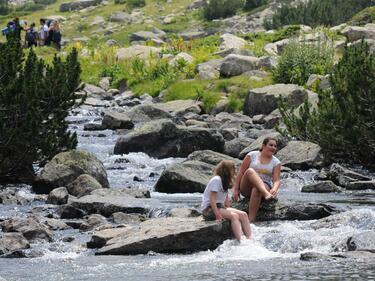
<point x="272" y="254"/>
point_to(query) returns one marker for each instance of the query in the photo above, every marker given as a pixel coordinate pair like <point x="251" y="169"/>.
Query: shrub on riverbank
<point x="34" y="100"/>
<point x="216" y="9"/>
<point x="343" y="121"/>
<point x="317" y="12"/>
<point x="299" y="60"/>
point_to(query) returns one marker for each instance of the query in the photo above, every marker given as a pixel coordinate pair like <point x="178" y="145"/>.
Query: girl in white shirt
<point x="259" y="176"/>
<point x="216" y="203"/>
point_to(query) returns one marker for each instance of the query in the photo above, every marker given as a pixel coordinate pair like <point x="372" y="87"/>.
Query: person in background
<point x="31" y="37"/>
<point x="216" y="203"/>
<point x="43" y="32"/>
<point x="56" y="35"/>
<point x="259" y="176"/>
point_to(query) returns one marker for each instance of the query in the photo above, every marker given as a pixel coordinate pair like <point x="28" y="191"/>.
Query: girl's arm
<point x="244" y="166"/>
<point x="276" y="181"/>
<point x="227" y="202"/>
<point x="214" y="208"/>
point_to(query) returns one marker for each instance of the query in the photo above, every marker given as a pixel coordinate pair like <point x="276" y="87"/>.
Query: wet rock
<point x="301" y="155"/>
<point x="234" y="147"/>
<point x="343" y="176"/>
<point x="211" y="157"/>
<point x="163" y="138"/>
<point x="115" y="120"/>
<point x="10" y="197"/>
<point x="314" y="256"/>
<point x="68" y="239"/>
<point x="93" y="127"/>
<point x="186" y="177"/>
<point x="275" y="210"/>
<point x="58" y="196"/>
<point x="364" y="241"/>
<point x="361" y="185"/>
<point x="321" y="187"/>
<point x="65" y="167"/>
<point x="12" y="241"/>
<point x="83" y="185"/>
<point x="106" y="205"/>
<point x="123" y="218"/>
<point x="100" y="238"/>
<point x="134" y="192"/>
<point x="70" y="212"/>
<point x="92" y="222"/>
<point x="265" y="100"/>
<point x="183" y="213"/>
<point x="169" y="235"/>
<point x="30" y="228"/>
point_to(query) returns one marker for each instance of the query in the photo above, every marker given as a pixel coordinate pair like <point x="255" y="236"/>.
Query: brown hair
<point x="225" y="170"/>
<point x="266" y="141"/>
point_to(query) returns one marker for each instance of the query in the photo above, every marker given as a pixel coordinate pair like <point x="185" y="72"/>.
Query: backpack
<point x="31" y="36"/>
<point x="11" y="27"/>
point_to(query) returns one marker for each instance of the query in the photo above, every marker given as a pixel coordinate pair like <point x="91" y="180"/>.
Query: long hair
<point x="225" y="170"/>
<point x="266" y="141"/>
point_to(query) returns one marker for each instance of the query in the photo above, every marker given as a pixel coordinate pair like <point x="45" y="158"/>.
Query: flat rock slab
<point x="108" y="204"/>
<point x="169" y="235"/>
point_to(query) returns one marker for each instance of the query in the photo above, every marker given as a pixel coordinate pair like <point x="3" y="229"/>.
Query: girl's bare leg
<point x="251" y="179"/>
<point x="254" y="204"/>
<point x="234" y="222"/>
<point x="244" y="222"/>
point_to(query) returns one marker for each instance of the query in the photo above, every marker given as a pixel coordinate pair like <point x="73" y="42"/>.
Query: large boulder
<point x="169" y="235"/>
<point x="78" y="5"/>
<point x="83" y="185"/>
<point x="321" y="187"/>
<point x="137" y="51"/>
<point x="65" y="167"/>
<point x="146" y="36"/>
<point x="265" y="100"/>
<point x="343" y="176"/>
<point x="234" y="65"/>
<point x="211" y="157"/>
<point x="115" y="120"/>
<point x="163" y="138"/>
<point x="186" y="177"/>
<point x="209" y="69"/>
<point x="354" y="33"/>
<point x="58" y="196"/>
<point x="234" y="147"/>
<point x="100" y="238"/>
<point x="121" y="17"/>
<point x="361" y="185"/>
<point x="30" y="228"/>
<point x="12" y="241"/>
<point x="181" y="107"/>
<point x="147" y="112"/>
<point x="228" y="41"/>
<point x="364" y="241"/>
<point x="301" y="155"/>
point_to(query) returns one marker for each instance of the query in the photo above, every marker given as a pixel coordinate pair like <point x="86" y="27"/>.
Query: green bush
<point x="365" y="16"/>
<point x="35" y="99"/>
<point x="299" y="60"/>
<point x="45" y="2"/>
<point x="252" y="4"/>
<point x="135" y="3"/>
<point x="318" y="12"/>
<point x="30" y="7"/>
<point x="216" y="9"/>
<point x="343" y="121"/>
<point x="4" y="7"/>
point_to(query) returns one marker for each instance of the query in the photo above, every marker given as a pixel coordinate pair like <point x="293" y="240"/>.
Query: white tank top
<point x="264" y="170"/>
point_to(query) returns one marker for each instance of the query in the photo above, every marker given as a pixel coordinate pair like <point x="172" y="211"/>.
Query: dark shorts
<point x="209" y="215"/>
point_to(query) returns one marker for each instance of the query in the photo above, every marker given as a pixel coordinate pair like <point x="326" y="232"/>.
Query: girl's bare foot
<point x="269" y="196"/>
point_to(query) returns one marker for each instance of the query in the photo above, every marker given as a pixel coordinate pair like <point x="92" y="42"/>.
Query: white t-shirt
<point x="43" y="32"/>
<point x="214" y="185"/>
<point x="264" y="170"/>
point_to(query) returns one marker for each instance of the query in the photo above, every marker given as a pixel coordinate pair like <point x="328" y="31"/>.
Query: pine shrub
<point x="216" y="9"/>
<point x="35" y="99"/>
<point x="252" y="4"/>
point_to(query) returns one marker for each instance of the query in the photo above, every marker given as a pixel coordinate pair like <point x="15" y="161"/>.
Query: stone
<point x="181" y="107"/>
<point x="70" y="212"/>
<point x="301" y="155"/>
<point x="354" y="33"/>
<point x="228" y="41"/>
<point x="363" y="241"/>
<point x="361" y="185"/>
<point x="234" y="65"/>
<point x="120" y="17"/>
<point x="92" y="222"/>
<point x="211" y="157"/>
<point x="169" y="235"/>
<point x="321" y="82"/>
<point x="265" y="100"/>
<point x="321" y="187"/>
<point x="77" y="5"/>
<point x="115" y="120"/>
<point x="83" y="185"/>
<point x="146" y="113"/>
<point x="210" y="69"/>
<point x="100" y="238"/>
<point x="12" y="241"/>
<point x="58" y="196"/>
<point x="343" y="176"/>
<point x="65" y="167"/>
<point x="234" y="147"/>
<point x="139" y="51"/>
<point x="185" y="57"/>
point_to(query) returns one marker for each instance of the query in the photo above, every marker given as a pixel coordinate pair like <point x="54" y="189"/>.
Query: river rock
<point x="58" y="196"/>
<point x="83" y="185"/>
<point x="169" y="235"/>
<point x="108" y="204"/>
<point x="343" y="176"/>
<point x="186" y="177"/>
<point x="211" y="157"/>
<point x="181" y="107"/>
<point x="314" y="256"/>
<point x="123" y="218"/>
<point x="275" y="210"/>
<point x="78" y="5"/>
<point x="361" y="185"/>
<point x="364" y="241"/>
<point x="30" y="228"/>
<point x="265" y="100"/>
<point x="163" y="138"/>
<point x="139" y="51"/>
<point x="234" y="147"/>
<point x="12" y="241"/>
<point x="92" y="222"/>
<point x="115" y="120"/>
<point x="95" y="91"/>
<point x="100" y="238"/>
<point x="183" y="213"/>
<point x="301" y="155"/>
<point x="70" y="212"/>
<point x="65" y="167"/>
<point x="321" y="187"/>
<point x="145" y="113"/>
<point x="257" y="144"/>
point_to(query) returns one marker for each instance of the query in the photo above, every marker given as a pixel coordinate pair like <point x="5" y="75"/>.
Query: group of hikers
<point x="258" y="178"/>
<point x="48" y="34"/>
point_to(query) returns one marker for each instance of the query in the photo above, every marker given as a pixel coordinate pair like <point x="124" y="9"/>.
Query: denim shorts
<point x="209" y="215"/>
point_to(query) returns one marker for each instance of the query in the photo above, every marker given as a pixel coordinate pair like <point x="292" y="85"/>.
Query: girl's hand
<point x="219" y="217"/>
<point x="235" y="195"/>
<point x="274" y="192"/>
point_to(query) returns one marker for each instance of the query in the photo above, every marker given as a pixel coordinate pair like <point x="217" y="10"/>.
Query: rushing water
<point x="272" y="254"/>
